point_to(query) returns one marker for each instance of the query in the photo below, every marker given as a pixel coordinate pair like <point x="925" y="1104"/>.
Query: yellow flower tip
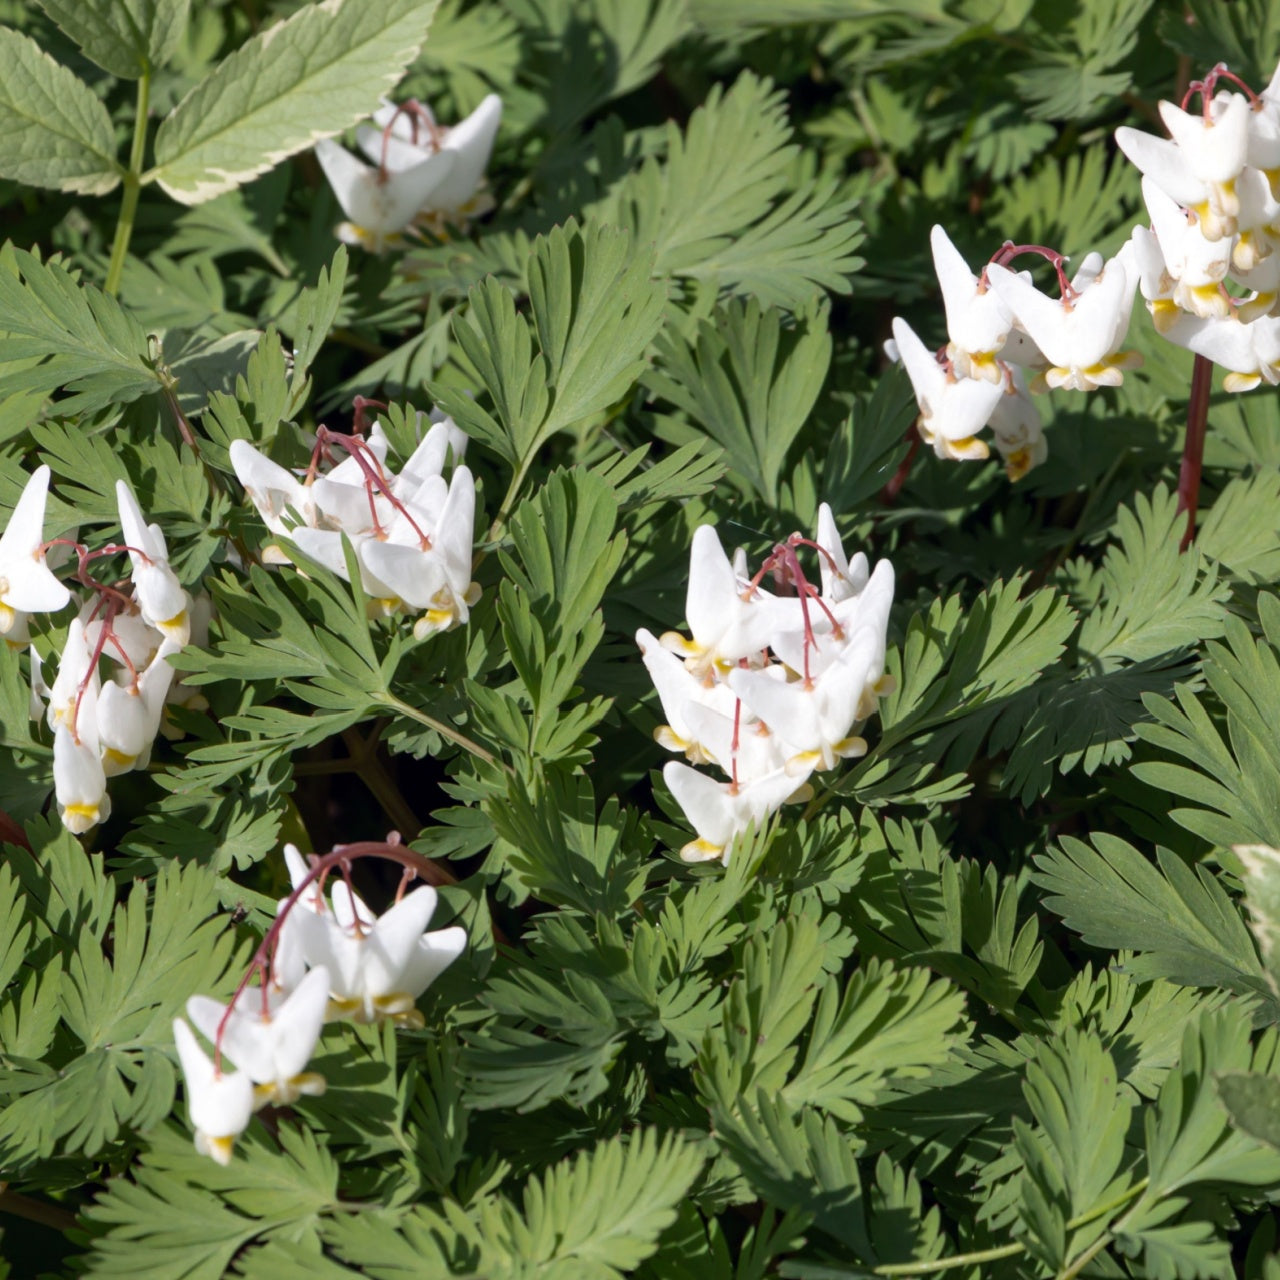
<point x="677" y="643"/>
<point x="410" y="1020"/>
<point x="1017" y="464"/>
<point x="1165" y="313"/>
<point x="1241" y="381"/>
<point x="665" y="736"/>
<point x="115" y="762"/>
<point x="274" y="553"/>
<point x="78" y="818"/>
<point x="968" y="449"/>
<point x="851" y="748"/>
<point x="219" y="1148"/>
<point x="801" y="795"/>
<point x="8" y="616"/>
<point x="472" y="594"/>
<point x="982" y="364"/>
<point x="701" y="850"/>
<point x="803" y="763"/>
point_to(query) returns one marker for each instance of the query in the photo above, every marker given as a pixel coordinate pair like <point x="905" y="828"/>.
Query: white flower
<point x="130" y="712"/>
<point x="380" y="204"/>
<point x="678" y="688"/>
<point x="952" y="410"/>
<point x="220" y="1105"/>
<point x="978" y="322"/>
<point x="1016" y="428"/>
<point x="720" y="811"/>
<point x="730" y="619"/>
<point x="1080" y="334"/>
<point x="79" y="781"/>
<point x="160" y="596"/>
<point x="1196" y="266"/>
<point x="26" y="584"/>
<point x="272" y="490"/>
<point x="1200" y="167"/>
<point x="1250" y="351"/>
<point x="815" y="716"/>
<point x="272" y="1049"/>
<point x="377" y="970"/>
<point x="402" y="138"/>
<point x="841" y="577"/>
<point x="437" y="578"/>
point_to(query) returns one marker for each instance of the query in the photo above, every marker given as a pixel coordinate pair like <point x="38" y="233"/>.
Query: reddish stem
<point x="1193" y="447"/>
<point x="342" y="856"/>
<point x="889" y="494"/>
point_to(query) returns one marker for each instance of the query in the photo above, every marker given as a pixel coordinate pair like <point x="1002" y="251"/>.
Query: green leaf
<point x="1073" y="1156"/>
<point x="594" y="1218"/>
<point x="748" y="382"/>
<point x="307" y="77"/>
<point x="54" y="130"/>
<point x="594" y="311"/>
<point x="1254" y="1103"/>
<point x="1190" y="1143"/>
<point x="129" y="38"/>
<point x="721" y="210"/>
<point x="87" y="344"/>
<point x="179" y="1217"/>
<point x="1181" y="920"/>
<point x="1233" y="783"/>
<point x="119" y="1009"/>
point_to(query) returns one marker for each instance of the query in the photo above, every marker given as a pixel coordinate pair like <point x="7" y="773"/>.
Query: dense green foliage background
<point x="980" y="996"/>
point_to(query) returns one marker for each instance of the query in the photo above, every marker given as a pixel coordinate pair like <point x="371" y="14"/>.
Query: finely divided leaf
<point x="54" y="130"/>
<point x="305" y="78"/>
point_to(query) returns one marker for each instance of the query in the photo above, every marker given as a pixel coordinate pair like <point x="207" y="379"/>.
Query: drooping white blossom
<point x="771" y="686"/>
<point x="220" y="1104"/>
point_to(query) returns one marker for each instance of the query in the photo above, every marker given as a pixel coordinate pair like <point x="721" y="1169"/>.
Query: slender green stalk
<point x="444" y="730"/>
<point x="509" y="501"/>
<point x="947" y="1264"/>
<point x="132" y="186"/>
<point x="1012" y="1250"/>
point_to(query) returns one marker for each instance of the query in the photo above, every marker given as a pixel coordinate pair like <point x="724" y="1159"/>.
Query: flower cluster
<point x="324" y="958"/>
<point x="1208" y="267"/>
<point x="771" y="686"/>
<point x="101" y="726"/>
<point x="998" y="324"/>
<point x="412" y="533"/>
<point x="424" y="175"/>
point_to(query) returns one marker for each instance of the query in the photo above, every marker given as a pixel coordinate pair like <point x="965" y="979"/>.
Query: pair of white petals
<point x="408" y="178"/>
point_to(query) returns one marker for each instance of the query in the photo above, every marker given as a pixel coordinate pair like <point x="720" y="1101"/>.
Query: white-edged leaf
<point x="125" y="37"/>
<point x="306" y="78"/>
<point x="54" y="132"/>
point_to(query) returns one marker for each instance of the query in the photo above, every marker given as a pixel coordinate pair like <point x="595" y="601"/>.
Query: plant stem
<point x="946" y="1264"/>
<point x="132" y="186"/>
<point x="1012" y="1250"/>
<point x="513" y="489"/>
<point x="444" y="730"/>
<point x="891" y="490"/>
<point x="1193" y="447"/>
<point x="47" y="1215"/>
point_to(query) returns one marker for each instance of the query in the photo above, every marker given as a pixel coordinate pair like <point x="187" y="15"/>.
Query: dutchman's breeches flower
<point x="1081" y="332"/>
<point x="220" y="1105"/>
<point x="26" y="583"/>
<point x="952" y="409"/>
<point x="771" y="686"/>
<point x="413" y="533"/>
<point x="323" y="958"/>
